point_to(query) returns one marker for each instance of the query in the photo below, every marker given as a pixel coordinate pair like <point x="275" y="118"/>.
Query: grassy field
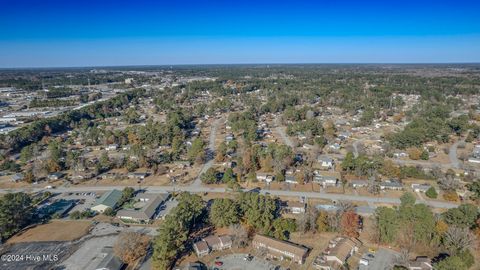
<point x="57" y="230"/>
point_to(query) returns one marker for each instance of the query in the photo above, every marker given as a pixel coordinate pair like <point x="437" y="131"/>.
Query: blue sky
<point x="104" y="32"/>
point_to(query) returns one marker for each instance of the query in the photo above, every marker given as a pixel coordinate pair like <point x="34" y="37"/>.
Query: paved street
<point x="201" y="189"/>
<point x="281" y="130"/>
<point x="452" y="154"/>
<point x="210" y="152"/>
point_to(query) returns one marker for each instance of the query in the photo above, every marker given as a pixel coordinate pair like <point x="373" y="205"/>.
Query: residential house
<point x="55" y="176"/>
<point x="137" y="175"/>
<point x="476" y="152"/>
<point x="212" y="243"/>
<point x="281" y="249"/>
<point x="327" y="207"/>
<point x="391" y="185"/>
<point x="326" y="180"/>
<point x="421" y="187"/>
<point x="295" y="207"/>
<point x="229" y="137"/>
<point x="217" y="243"/>
<point x="400" y="154"/>
<point x="261" y="176"/>
<point x="82" y="175"/>
<point x="344" y="135"/>
<point x="109" y="199"/>
<point x="290" y="179"/>
<point x="337" y="253"/>
<point x="335" y="147"/>
<point x="17" y="177"/>
<point x="325" y="162"/>
<point x="201" y="248"/>
<point x="111" y="147"/>
<point x="359" y="183"/>
<point x="147" y="205"/>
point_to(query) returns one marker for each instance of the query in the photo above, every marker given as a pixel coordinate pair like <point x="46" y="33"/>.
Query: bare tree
<point x="239" y="235"/>
<point x="307" y="222"/>
<point x="458" y="239"/>
<point x="130" y="246"/>
<point x="448" y="182"/>
<point x="345" y="206"/>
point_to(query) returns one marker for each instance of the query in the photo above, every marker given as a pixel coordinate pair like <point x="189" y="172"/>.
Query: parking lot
<point x="238" y="262"/>
<point x="85" y="200"/>
<point x="382" y="259"/>
<point x="33" y="255"/>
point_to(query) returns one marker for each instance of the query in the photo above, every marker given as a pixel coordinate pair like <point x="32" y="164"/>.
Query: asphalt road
<point x="453" y="155"/>
<point x="210" y="152"/>
<point x="202" y="189"/>
<point x="281" y="130"/>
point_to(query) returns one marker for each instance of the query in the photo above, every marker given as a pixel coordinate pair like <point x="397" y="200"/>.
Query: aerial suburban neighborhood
<point x="239" y="135"/>
<point x="242" y="170"/>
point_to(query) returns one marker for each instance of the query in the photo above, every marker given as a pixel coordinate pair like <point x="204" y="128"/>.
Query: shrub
<point x="431" y="193"/>
<point x="450" y="196"/>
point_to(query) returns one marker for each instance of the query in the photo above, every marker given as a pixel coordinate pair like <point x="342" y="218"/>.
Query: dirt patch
<point x="57" y="230"/>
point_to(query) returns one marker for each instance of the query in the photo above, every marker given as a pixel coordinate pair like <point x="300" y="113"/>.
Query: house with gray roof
<point x="109" y="199"/>
<point x="145" y="208"/>
<point x="326" y="180"/>
<point x="391" y="185"/>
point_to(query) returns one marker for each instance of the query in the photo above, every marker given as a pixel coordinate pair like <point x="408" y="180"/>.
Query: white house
<point x="326" y="180"/>
<point x="295" y="207"/>
<point x="111" y="147"/>
<point x="359" y="183"/>
<point x="325" y="162"/>
<point x="391" y="185"/>
<point x="290" y="179"/>
<point x="421" y="187"/>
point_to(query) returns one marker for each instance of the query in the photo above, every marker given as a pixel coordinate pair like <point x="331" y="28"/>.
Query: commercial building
<point x="146" y="207"/>
<point x="109" y="199"/>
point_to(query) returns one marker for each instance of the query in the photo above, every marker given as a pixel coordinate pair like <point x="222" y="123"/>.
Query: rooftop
<point x="109" y="198"/>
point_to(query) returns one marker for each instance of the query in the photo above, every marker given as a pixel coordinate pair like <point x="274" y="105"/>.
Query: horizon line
<point x="242" y="64"/>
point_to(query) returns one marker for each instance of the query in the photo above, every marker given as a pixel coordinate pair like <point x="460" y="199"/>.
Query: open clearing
<point x="57" y="230"/>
